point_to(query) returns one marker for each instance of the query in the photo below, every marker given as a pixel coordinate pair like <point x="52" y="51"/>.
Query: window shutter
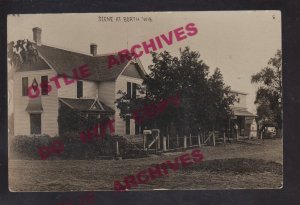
<point x="128" y="89"/>
<point x="79" y="89"/>
<point x="25" y="86"/>
<point x="44" y="85"/>
<point x="134" y="85"/>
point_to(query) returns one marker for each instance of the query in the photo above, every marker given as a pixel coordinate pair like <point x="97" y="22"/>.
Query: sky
<point x="240" y="43"/>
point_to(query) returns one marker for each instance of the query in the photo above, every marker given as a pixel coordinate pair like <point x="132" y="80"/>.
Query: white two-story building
<point x="95" y="94"/>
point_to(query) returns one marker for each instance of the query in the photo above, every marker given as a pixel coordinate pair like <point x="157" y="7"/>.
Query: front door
<point x="35" y="124"/>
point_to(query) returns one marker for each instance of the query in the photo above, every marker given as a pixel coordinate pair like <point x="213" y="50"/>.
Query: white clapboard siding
<point x="107" y="93"/>
<point x="67" y="91"/>
<point x="90" y="89"/>
<point x="121" y="84"/>
<point x="70" y="90"/>
<point x="49" y="103"/>
<point x="242" y="100"/>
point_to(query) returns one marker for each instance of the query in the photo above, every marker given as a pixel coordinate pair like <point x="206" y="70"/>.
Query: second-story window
<point x="79" y="89"/>
<point x="44" y="83"/>
<point x="131" y="90"/>
<point x="25" y="86"/>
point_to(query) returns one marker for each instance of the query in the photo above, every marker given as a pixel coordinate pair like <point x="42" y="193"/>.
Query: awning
<point x="34" y="105"/>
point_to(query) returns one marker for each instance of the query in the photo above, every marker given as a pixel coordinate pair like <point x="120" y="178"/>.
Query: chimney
<point x="93" y="49"/>
<point x="37" y="35"/>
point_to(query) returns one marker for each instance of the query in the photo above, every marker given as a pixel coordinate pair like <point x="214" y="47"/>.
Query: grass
<point x="238" y="165"/>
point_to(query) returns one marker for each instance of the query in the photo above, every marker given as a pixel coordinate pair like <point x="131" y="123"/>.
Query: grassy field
<point x="250" y="164"/>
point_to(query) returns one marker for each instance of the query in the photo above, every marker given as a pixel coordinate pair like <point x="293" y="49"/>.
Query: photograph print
<point x="145" y="101"/>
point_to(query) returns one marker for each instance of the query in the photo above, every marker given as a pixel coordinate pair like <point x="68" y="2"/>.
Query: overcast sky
<point x="240" y="43"/>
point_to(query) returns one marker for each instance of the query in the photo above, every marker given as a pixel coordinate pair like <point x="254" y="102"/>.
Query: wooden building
<point x="95" y="94"/>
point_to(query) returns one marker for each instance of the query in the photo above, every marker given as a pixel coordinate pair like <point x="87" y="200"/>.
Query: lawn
<point x="250" y="164"/>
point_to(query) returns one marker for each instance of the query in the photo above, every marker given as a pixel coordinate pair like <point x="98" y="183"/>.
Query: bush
<point x="26" y="147"/>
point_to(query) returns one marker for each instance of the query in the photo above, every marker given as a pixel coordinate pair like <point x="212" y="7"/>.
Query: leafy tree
<point x="220" y="98"/>
<point x="269" y="93"/>
<point x="21" y="52"/>
<point x="204" y="100"/>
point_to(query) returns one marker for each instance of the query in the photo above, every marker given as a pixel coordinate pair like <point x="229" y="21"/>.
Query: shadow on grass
<point x="238" y="165"/>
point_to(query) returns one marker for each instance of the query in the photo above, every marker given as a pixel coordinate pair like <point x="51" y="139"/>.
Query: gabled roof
<point x="63" y="62"/>
<point x="86" y="105"/>
<point x="39" y="64"/>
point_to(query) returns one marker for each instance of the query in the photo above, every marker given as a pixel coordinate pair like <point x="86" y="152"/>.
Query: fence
<point x="168" y="143"/>
<point x="155" y="143"/>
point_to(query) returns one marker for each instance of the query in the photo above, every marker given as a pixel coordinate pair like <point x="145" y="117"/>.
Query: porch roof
<point x="86" y="105"/>
<point x="34" y="105"/>
<point x="242" y="112"/>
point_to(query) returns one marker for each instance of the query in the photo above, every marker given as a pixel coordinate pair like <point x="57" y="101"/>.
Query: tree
<point x="220" y="98"/>
<point x="17" y="54"/>
<point x="269" y="93"/>
<point x="204" y="100"/>
<point x="21" y="52"/>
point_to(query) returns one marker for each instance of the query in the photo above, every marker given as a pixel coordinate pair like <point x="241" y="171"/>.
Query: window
<point x="79" y="89"/>
<point x="44" y="85"/>
<point x="131" y="90"/>
<point x="35" y="123"/>
<point x="128" y="125"/>
<point x="128" y="89"/>
<point x="25" y="86"/>
<point x="134" y="85"/>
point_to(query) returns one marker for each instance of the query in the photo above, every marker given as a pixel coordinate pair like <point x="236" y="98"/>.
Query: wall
<point x="242" y="100"/>
<point x="121" y="84"/>
<point x="50" y="105"/>
<point x="106" y="92"/>
<point x="70" y="91"/>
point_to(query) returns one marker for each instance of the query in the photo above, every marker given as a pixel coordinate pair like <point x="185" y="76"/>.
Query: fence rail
<point x="157" y="143"/>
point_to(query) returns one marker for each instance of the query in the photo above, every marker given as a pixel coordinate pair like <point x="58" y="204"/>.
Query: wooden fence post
<point x="261" y="135"/>
<point x="168" y="141"/>
<point x="164" y="144"/>
<point x="158" y="141"/>
<point x="199" y="141"/>
<point x="117" y="149"/>
<point x="177" y="138"/>
<point x="184" y="142"/>
<point x="224" y="137"/>
<point x="190" y="139"/>
<point x="144" y="141"/>
<point x="214" y="138"/>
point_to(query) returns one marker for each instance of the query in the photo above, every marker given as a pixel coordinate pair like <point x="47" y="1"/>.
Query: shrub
<point x="26" y="147"/>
